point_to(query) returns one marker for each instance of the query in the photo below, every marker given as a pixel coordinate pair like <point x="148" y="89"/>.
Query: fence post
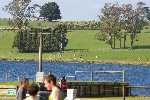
<point x="123" y="86"/>
<point x="91" y="76"/>
<point x="18" y="78"/>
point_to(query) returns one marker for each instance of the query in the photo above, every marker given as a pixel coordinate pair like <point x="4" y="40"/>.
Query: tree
<point x="50" y="11"/>
<point x="55" y="41"/>
<point x="127" y="10"/>
<point x="110" y="23"/>
<point x="133" y="20"/>
<point x="137" y="21"/>
<point x="119" y="21"/>
<point x="33" y="11"/>
<point x="145" y="9"/>
<point x="17" y="9"/>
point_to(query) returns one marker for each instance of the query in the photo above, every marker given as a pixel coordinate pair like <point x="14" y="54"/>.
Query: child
<point x="33" y="90"/>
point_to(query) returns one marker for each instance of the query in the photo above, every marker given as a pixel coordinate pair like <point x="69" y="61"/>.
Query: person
<point x="50" y="80"/>
<point x="43" y="91"/>
<point x="42" y="87"/>
<point x="63" y="86"/>
<point x="22" y="91"/>
<point x="33" y="90"/>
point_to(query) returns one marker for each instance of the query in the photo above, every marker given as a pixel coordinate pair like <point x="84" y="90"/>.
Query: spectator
<point x="33" y="90"/>
<point x="43" y="91"/>
<point x="42" y="87"/>
<point x="22" y="91"/>
<point x="63" y="84"/>
<point x="56" y="93"/>
<point x="47" y="85"/>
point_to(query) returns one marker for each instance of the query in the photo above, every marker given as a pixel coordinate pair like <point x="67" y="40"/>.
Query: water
<point x="134" y="74"/>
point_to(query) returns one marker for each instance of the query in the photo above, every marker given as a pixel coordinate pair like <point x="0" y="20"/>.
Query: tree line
<point x="117" y="22"/>
<point x="82" y="25"/>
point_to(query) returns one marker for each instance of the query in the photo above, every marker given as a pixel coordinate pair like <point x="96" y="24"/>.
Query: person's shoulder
<point x="29" y="98"/>
<point x="57" y="89"/>
<point x="23" y="90"/>
<point x="20" y="89"/>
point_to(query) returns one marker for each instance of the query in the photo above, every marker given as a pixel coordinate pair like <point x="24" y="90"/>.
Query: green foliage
<point x="55" y="40"/>
<point x="17" y="8"/>
<point x="148" y="15"/>
<point x="110" y="22"/>
<point x="4" y="22"/>
<point x="70" y="25"/>
<point x="50" y="11"/>
<point x="82" y="25"/>
<point x="101" y="36"/>
<point x="116" y="21"/>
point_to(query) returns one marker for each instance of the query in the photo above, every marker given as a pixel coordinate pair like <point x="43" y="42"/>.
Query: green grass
<point x="109" y="98"/>
<point x="117" y="98"/>
<point x="105" y="98"/>
<point x="4" y="22"/>
<point x="84" y="39"/>
<point x="9" y="83"/>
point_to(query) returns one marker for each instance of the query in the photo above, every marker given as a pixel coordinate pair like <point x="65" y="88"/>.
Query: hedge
<point x="55" y="40"/>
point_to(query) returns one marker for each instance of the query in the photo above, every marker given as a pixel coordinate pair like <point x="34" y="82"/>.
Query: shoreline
<point x="83" y="61"/>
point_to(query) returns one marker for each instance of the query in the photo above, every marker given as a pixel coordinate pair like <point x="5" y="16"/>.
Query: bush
<point x="55" y="41"/>
<point x="101" y="36"/>
<point x="82" y="25"/>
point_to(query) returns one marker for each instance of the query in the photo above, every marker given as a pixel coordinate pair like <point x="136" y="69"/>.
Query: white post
<point x="123" y="88"/>
<point x="91" y="76"/>
<point x="40" y="53"/>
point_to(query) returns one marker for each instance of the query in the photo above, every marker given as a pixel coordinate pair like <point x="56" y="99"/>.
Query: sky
<point x="75" y="9"/>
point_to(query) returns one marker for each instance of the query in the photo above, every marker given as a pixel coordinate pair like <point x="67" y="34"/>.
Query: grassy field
<point x="109" y="98"/>
<point x="118" y="98"/>
<point x="9" y="83"/>
<point x="83" y="46"/>
<point x="4" y="22"/>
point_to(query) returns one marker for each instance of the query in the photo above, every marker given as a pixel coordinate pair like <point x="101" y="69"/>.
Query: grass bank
<point x="83" y="47"/>
<point x="118" y="98"/>
<point x="109" y="98"/>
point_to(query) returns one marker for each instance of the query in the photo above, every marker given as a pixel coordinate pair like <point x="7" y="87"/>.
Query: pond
<point x="134" y="74"/>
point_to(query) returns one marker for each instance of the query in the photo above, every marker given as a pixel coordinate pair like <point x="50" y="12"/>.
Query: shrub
<point x="55" y="41"/>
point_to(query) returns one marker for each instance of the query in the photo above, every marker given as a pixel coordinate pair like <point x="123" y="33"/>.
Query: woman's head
<point x="33" y="89"/>
<point x="25" y="82"/>
<point x="50" y="80"/>
<point x="63" y="80"/>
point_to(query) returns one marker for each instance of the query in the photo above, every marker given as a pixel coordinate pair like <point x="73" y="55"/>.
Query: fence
<point x="7" y="92"/>
<point x="134" y="92"/>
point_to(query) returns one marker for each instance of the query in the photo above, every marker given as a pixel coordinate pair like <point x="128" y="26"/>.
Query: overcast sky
<point x="76" y="9"/>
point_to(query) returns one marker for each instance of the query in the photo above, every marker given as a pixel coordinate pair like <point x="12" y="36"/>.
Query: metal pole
<point x="91" y="76"/>
<point x="123" y="87"/>
<point x="40" y="53"/>
<point x="6" y="76"/>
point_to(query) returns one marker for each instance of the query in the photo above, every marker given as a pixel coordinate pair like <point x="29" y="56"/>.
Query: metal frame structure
<point x="113" y="72"/>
